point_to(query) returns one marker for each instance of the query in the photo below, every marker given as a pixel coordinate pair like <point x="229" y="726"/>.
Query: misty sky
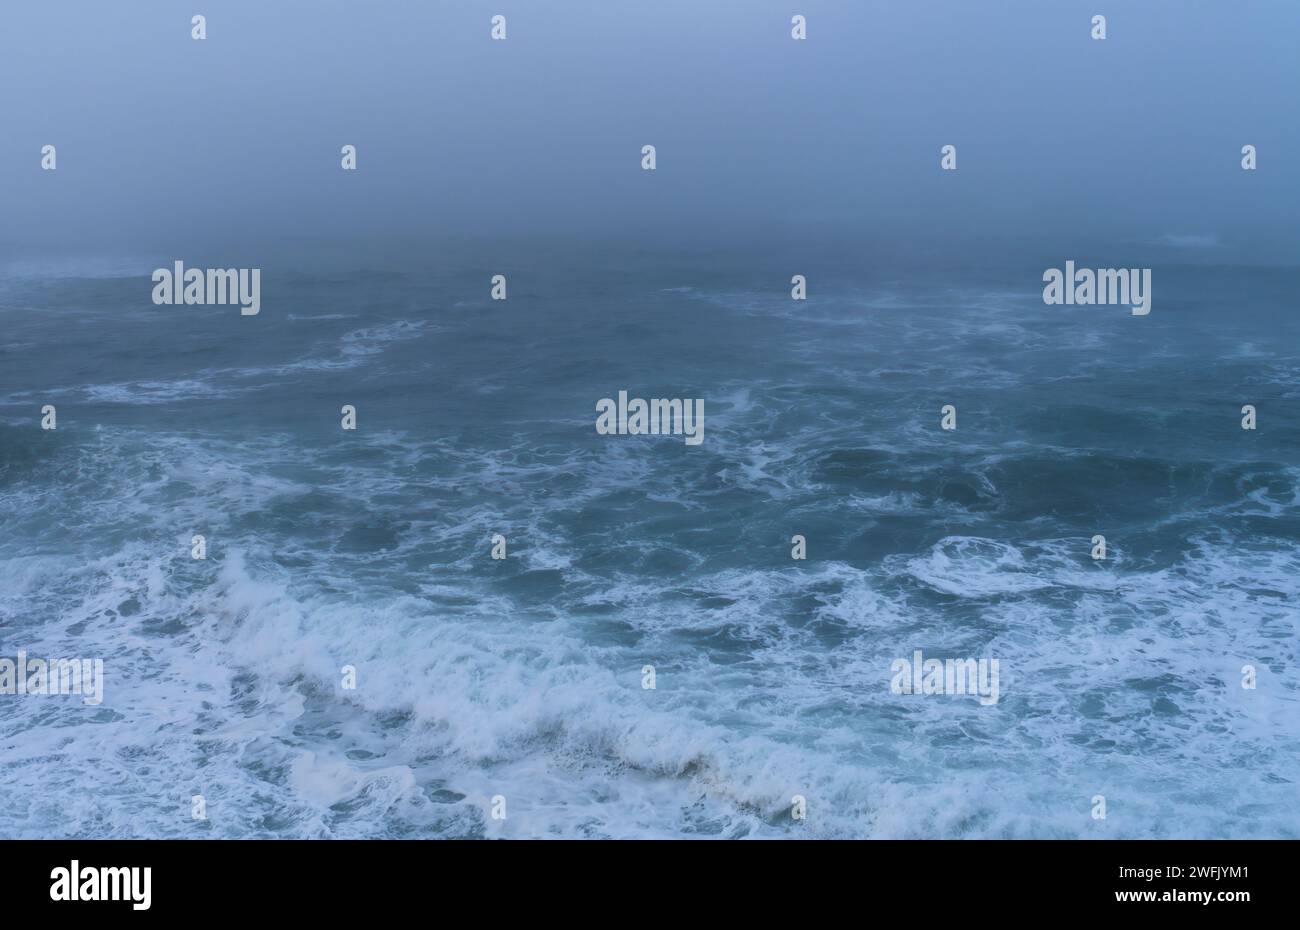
<point x="1063" y="142"/>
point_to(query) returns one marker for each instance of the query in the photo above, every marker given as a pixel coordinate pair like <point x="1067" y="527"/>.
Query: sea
<point x="648" y="660"/>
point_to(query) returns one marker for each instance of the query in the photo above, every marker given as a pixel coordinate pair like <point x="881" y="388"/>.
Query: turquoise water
<point x="523" y="677"/>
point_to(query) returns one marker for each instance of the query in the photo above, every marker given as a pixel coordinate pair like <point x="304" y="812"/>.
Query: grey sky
<point x="1063" y="142"/>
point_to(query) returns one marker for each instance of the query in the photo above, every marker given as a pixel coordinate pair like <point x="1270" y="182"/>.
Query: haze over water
<point x="523" y="677"/>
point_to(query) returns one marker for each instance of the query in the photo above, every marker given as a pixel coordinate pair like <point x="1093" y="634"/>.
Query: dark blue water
<point x="522" y="677"/>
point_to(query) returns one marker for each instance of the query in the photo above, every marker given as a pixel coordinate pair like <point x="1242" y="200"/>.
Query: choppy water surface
<point x="523" y="677"/>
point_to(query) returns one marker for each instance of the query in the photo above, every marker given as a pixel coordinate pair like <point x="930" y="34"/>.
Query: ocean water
<point x="523" y="677"/>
